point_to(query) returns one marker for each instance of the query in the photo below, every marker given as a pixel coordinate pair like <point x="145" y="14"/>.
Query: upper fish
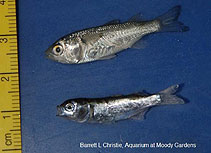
<point x="103" y="42"/>
<point x="116" y="108"/>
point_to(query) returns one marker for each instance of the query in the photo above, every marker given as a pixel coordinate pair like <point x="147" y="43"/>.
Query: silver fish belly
<point x="115" y="108"/>
<point x="103" y="42"/>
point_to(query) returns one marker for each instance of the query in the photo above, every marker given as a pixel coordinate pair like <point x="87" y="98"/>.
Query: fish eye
<point x="69" y="107"/>
<point x="58" y="49"/>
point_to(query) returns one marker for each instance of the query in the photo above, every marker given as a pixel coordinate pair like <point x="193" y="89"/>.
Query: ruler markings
<point x="7" y="111"/>
<point x="13" y="49"/>
<point x="13" y="57"/>
<point x="11" y="132"/>
<point x="14" y="84"/>
<point x="4" y="35"/>
<point x="10" y="15"/>
<point x="14" y="69"/>
<point x="16" y="122"/>
<point x="15" y="114"/>
<point x="16" y="118"/>
<point x="8" y="73"/>
<point x="16" y="149"/>
<point x="15" y="95"/>
<point x="15" y="100"/>
<point x="11" y="53"/>
<point x="13" y="91"/>
<point x="12" y="30"/>
<point x="15" y="107"/>
<point x="14" y="61"/>
<point x="15" y="126"/>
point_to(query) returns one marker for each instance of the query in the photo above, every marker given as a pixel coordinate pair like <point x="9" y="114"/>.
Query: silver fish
<point x="103" y="42"/>
<point x="115" y="108"/>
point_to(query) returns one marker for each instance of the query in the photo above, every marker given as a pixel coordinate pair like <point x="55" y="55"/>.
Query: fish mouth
<point x="49" y="55"/>
<point x="59" y="111"/>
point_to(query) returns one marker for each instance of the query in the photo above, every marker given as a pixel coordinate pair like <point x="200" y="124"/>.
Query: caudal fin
<point x="168" y="96"/>
<point x="169" y="21"/>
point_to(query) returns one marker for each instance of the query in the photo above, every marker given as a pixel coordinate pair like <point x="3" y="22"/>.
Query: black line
<point x="16" y="103"/>
<point x="10" y="15"/>
<point x="7" y="111"/>
<point x="9" y="73"/>
<point x="9" y="35"/>
<point x="11" y="53"/>
<point x="15" y="130"/>
<point x="15" y="114"/>
<point x="15" y="95"/>
<point x="11" y="149"/>
<point x="13" y="91"/>
<point x="16" y="133"/>
<point x="15" y="99"/>
<point x="14" y="57"/>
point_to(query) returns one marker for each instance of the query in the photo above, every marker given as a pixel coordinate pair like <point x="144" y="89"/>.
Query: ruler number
<point x="3" y="40"/>
<point x="2" y="2"/>
<point x="5" y="79"/>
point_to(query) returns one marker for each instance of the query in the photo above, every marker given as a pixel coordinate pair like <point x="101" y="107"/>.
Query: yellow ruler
<point x="10" y="123"/>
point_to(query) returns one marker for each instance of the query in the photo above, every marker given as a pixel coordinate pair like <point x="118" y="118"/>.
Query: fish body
<point x="103" y="42"/>
<point x="115" y="108"/>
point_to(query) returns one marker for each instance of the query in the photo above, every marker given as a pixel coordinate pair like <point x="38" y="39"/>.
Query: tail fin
<point x="169" y="21"/>
<point x="168" y="96"/>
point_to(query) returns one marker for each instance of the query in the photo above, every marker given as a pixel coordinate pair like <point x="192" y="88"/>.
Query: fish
<point x="104" y="42"/>
<point x="119" y="107"/>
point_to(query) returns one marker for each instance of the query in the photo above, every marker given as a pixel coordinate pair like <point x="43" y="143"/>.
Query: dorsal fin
<point x="136" y="18"/>
<point x="116" y="21"/>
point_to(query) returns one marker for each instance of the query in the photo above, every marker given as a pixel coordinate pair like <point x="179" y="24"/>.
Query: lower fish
<point x="116" y="108"/>
<point x="104" y="42"/>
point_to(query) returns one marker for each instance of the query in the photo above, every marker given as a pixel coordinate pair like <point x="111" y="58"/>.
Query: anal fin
<point x="140" y="115"/>
<point x="140" y="44"/>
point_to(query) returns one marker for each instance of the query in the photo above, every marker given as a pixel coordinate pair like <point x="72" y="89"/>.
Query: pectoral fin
<point x="93" y="37"/>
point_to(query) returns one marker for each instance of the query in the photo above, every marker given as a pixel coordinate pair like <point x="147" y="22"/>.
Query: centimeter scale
<point x="10" y="123"/>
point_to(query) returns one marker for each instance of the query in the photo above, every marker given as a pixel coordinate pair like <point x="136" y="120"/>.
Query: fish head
<point x="67" y="51"/>
<point x="74" y="110"/>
